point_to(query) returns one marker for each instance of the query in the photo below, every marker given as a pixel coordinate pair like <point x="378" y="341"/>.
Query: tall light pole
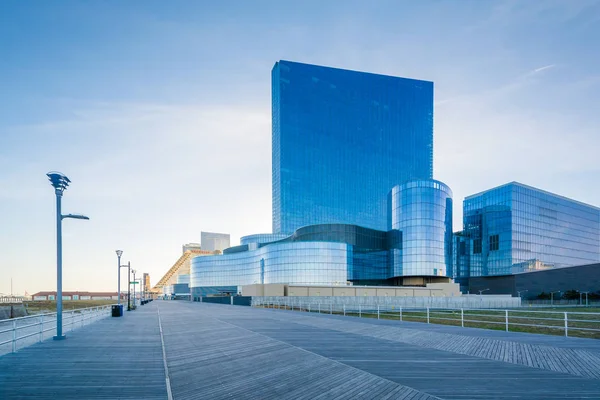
<point x="119" y="254"/>
<point x="124" y="266"/>
<point x="128" y="285"/>
<point x="521" y="291"/>
<point x="484" y="290"/>
<point x="60" y="183"/>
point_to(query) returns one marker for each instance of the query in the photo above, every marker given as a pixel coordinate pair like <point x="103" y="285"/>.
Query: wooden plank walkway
<point x="547" y="352"/>
<point x="217" y="351"/>
<point x="114" y="358"/>
<point x="445" y="365"/>
<point x="210" y="358"/>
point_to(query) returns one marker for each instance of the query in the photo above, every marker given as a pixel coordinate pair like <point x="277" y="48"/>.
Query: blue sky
<point x="159" y="112"/>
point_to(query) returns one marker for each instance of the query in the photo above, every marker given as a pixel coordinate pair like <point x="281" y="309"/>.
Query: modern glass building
<point x="417" y="245"/>
<point x="354" y="201"/>
<point x="311" y="262"/>
<point x="517" y="228"/>
<point x="421" y="213"/>
<point x="341" y="140"/>
<point x="509" y="229"/>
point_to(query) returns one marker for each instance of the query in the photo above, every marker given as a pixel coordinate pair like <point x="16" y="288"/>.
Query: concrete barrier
<point x="12" y="311"/>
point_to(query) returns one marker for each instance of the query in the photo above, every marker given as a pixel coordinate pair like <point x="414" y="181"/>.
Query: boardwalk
<point x="210" y="351"/>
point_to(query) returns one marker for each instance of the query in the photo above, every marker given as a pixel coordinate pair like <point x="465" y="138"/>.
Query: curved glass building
<point x="328" y="254"/>
<point x="261" y="238"/>
<point x="419" y="243"/>
<point x="420" y="229"/>
<point x="318" y="263"/>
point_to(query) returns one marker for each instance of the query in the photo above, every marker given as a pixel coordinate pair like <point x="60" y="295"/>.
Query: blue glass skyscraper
<point x="341" y="140"/>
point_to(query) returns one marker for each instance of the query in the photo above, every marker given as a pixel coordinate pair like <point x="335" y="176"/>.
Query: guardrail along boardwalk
<point x="214" y="351"/>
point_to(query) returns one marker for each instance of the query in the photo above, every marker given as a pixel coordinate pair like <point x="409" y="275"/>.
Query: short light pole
<point x="484" y="290"/>
<point x="128" y="286"/>
<point x="119" y="254"/>
<point x="552" y="297"/>
<point x="60" y="183"/>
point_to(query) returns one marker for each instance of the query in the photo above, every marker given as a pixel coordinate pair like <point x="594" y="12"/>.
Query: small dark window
<point x="494" y="242"/>
<point x="476" y="246"/>
<point x="462" y="250"/>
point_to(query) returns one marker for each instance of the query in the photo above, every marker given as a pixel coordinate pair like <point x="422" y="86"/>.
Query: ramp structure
<point x="181" y="266"/>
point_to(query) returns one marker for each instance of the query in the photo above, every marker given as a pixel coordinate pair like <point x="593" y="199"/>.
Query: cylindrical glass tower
<point x="420" y="213"/>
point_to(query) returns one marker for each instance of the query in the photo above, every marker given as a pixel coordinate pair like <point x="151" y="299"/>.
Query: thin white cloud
<point x="535" y="71"/>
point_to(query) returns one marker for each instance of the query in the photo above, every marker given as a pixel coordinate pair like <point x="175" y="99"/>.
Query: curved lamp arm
<point x="74" y="216"/>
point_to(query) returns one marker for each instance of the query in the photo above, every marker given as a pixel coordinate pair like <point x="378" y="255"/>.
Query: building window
<point x="462" y="249"/>
<point x="494" y="242"/>
<point x="476" y="246"/>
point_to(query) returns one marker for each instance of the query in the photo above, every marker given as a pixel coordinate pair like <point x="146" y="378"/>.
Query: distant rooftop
<point x="354" y="71"/>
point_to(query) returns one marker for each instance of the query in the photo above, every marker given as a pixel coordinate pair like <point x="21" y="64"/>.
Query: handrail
<point x="475" y="317"/>
<point x="72" y="320"/>
<point x="54" y="313"/>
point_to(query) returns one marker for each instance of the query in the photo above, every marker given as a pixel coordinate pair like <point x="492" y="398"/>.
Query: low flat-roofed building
<point x="446" y="289"/>
<point x="49" y="295"/>
<point x="581" y="278"/>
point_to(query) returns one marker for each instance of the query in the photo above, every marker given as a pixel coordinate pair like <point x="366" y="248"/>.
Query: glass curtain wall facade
<point x="316" y="263"/>
<point x="368" y="262"/>
<point x="260" y="238"/>
<point x="460" y="256"/>
<point x="419" y="243"/>
<point x="341" y="139"/>
<point x="421" y="214"/>
<point x="330" y="254"/>
<point x="517" y="228"/>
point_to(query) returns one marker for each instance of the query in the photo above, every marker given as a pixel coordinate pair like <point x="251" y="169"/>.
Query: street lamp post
<point x="60" y="183"/>
<point x="484" y="290"/>
<point x="521" y="291"/>
<point x="133" y="272"/>
<point x="552" y="297"/>
<point x="128" y="286"/>
<point x="119" y="254"/>
<point x="123" y="266"/>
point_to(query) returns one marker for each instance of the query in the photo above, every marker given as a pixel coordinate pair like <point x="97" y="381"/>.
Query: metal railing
<point x="12" y="299"/>
<point x="17" y="333"/>
<point x="570" y="323"/>
<point x="561" y="303"/>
